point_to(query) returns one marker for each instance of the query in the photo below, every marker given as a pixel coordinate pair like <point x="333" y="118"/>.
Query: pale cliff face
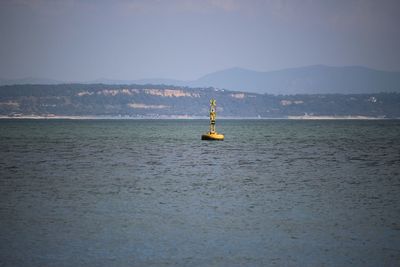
<point x="155" y="92"/>
<point x="170" y="93"/>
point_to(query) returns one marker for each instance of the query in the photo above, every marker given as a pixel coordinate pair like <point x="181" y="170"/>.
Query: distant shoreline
<point x="307" y="117"/>
<point x="304" y="117"/>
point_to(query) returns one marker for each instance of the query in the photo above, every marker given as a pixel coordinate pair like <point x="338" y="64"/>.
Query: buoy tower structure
<point x="212" y="134"/>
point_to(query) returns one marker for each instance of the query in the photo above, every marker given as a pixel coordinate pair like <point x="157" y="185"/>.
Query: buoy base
<point x="212" y="136"/>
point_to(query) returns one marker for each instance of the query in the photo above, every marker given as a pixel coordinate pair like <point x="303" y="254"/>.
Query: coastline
<point x="349" y="117"/>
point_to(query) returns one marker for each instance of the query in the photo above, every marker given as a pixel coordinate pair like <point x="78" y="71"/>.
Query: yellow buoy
<point x="212" y="134"/>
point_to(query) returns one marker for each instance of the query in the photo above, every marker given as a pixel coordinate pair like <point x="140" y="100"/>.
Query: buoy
<point x="212" y="134"/>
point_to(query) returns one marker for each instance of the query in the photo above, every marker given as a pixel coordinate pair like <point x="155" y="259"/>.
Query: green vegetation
<point x="162" y="100"/>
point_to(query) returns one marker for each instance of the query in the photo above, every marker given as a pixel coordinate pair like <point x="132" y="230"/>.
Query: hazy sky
<point x="81" y="40"/>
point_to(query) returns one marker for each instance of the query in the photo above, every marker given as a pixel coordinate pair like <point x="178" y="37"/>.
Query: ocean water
<point x="151" y="193"/>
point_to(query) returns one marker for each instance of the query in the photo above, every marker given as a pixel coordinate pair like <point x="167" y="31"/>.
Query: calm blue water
<point x="151" y="193"/>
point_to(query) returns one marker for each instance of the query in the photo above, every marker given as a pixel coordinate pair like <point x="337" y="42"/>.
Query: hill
<point x="154" y="101"/>
<point x="317" y="79"/>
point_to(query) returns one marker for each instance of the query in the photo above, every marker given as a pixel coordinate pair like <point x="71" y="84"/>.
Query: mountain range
<point x="317" y="79"/>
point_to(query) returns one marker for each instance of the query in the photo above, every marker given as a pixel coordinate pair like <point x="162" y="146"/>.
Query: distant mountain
<point x="43" y="81"/>
<point x="317" y="79"/>
<point x="160" y="101"/>
<point x="141" y="81"/>
<point x="28" y="80"/>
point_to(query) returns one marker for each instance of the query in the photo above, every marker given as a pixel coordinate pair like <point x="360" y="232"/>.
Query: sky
<point x="84" y="40"/>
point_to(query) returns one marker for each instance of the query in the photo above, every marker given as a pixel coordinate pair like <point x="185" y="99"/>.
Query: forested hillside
<point x="168" y="101"/>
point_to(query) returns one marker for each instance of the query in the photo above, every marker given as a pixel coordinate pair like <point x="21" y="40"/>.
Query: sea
<point x="152" y="193"/>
